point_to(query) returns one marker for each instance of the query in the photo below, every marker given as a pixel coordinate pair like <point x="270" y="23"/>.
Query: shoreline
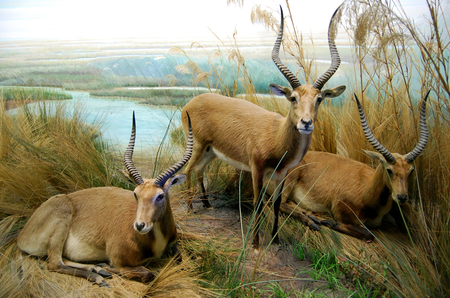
<point x="14" y="103"/>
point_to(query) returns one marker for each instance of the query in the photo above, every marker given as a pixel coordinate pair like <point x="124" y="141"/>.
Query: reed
<point x="46" y="151"/>
<point x="50" y="154"/>
<point x="43" y="154"/>
<point x="392" y="78"/>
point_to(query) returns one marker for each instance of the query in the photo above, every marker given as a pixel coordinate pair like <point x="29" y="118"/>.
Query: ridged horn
<point x="292" y="79"/>
<point x="128" y="157"/>
<point x="162" y="178"/>
<point x="423" y="139"/>
<point x="335" y="59"/>
<point x="370" y="137"/>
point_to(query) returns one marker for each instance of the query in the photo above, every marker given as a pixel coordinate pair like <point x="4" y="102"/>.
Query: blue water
<point x="115" y="116"/>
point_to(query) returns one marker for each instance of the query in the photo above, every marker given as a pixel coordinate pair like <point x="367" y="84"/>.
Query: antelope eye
<point x="160" y="197"/>
<point x="135" y="196"/>
<point x="319" y="100"/>
<point x="293" y="99"/>
<point x="390" y="172"/>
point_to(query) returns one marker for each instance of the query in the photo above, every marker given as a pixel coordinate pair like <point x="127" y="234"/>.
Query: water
<point x="115" y="116"/>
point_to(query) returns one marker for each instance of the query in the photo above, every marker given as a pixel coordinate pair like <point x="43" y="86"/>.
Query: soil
<point x="276" y="263"/>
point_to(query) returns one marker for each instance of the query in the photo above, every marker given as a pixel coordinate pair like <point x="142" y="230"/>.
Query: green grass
<point x="49" y="155"/>
<point x="154" y="96"/>
<point x="18" y="93"/>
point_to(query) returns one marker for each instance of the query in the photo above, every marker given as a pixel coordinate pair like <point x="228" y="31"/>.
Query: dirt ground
<point x="273" y="263"/>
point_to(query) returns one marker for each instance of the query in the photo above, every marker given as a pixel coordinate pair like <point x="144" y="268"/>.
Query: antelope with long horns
<point x="107" y="224"/>
<point x="253" y="139"/>
<point x="351" y="191"/>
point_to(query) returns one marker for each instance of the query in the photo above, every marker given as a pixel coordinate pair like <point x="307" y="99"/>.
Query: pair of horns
<point x="292" y="79"/>
<point x="410" y="157"/>
<point x="164" y="176"/>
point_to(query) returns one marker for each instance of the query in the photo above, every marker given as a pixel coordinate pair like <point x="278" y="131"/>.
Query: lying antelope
<point x="351" y="191"/>
<point x="253" y="139"/>
<point x="107" y="224"/>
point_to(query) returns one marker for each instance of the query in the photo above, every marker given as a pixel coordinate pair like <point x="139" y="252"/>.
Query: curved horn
<point x="370" y="137"/>
<point x="335" y="60"/>
<point x="293" y="81"/>
<point x="423" y="139"/>
<point x="129" y="155"/>
<point x="162" y="178"/>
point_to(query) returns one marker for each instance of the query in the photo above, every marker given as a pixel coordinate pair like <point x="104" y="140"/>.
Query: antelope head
<point x="397" y="167"/>
<point x="305" y="99"/>
<point x="152" y="195"/>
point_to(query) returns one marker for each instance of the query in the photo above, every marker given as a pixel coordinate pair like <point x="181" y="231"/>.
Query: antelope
<point x="353" y="192"/>
<point x="253" y="139"/>
<point x="107" y="224"/>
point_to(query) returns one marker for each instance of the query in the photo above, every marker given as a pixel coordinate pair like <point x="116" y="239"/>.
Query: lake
<point x="115" y="116"/>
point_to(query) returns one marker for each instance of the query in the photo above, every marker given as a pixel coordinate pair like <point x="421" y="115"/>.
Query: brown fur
<point x="97" y="225"/>
<point x="351" y="191"/>
<point x="250" y="137"/>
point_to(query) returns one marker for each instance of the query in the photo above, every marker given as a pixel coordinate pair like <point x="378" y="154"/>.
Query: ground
<point x="273" y="263"/>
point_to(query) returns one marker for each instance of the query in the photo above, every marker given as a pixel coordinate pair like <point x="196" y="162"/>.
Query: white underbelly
<point x="238" y="165"/>
<point x="76" y="250"/>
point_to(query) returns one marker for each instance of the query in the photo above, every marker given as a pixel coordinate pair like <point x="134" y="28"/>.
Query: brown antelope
<point x="253" y="139"/>
<point x="351" y="191"/>
<point x="107" y="224"/>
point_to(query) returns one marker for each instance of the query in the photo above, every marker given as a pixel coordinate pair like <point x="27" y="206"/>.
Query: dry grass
<point x="44" y="153"/>
<point x="389" y="77"/>
<point x="392" y="80"/>
<point x="48" y="154"/>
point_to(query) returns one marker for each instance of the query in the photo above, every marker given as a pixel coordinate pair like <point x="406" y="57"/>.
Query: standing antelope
<point x="253" y="139"/>
<point x="110" y="224"/>
<point x="351" y="191"/>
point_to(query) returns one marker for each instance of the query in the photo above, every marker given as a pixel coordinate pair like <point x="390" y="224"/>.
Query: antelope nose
<point x="402" y="198"/>
<point x="139" y="226"/>
<point x="306" y="122"/>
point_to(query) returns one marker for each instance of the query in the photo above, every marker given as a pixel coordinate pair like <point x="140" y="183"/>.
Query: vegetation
<point x="31" y="94"/>
<point x="395" y="64"/>
<point x="176" y="96"/>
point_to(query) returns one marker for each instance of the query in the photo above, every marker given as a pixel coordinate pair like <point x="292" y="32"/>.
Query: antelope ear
<point x="280" y="90"/>
<point x="376" y="155"/>
<point x="333" y="92"/>
<point x="127" y="177"/>
<point x="175" y="180"/>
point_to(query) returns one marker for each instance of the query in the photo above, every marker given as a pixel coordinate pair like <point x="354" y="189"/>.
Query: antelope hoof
<point x="105" y="274"/>
<point x="206" y="203"/>
<point x="329" y="223"/>
<point x="101" y="272"/>
<point x="314" y="226"/>
<point x="369" y="238"/>
<point x="314" y="219"/>
<point x="98" y="280"/>
<point x="104" y="284"/>
<point x="148" y="278"/>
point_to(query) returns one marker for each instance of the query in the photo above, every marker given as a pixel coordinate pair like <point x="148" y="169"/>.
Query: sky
<point x="64" y="19"/>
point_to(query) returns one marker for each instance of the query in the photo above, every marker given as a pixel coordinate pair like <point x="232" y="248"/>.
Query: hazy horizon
<point x="66" y="20"/>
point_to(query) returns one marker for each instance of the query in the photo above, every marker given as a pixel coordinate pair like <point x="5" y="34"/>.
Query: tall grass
<point x="395" y="64"/>
<point x="43" y="153"/>
<point x="46" y="151"/>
